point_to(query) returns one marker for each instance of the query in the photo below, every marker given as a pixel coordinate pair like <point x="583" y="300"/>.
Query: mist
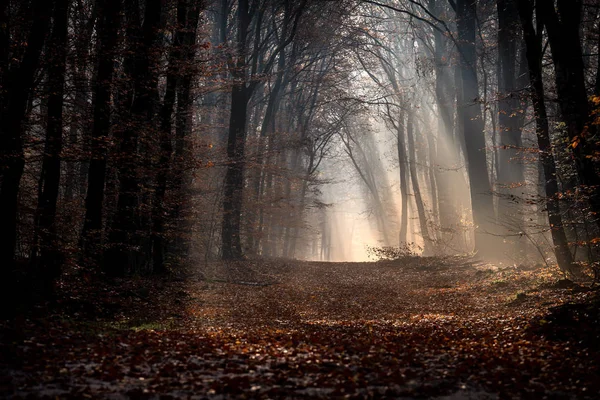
<point x="300" y="199"/>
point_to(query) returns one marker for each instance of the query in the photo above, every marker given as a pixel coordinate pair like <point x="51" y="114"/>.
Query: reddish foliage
<point x="319" y="330"/>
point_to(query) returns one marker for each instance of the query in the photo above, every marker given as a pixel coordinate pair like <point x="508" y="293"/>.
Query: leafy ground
<point x="420" y="328"/>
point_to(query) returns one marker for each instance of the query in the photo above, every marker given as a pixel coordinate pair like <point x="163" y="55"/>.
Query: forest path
<point x="446" y="329"/>
<point x="292" y="294"/>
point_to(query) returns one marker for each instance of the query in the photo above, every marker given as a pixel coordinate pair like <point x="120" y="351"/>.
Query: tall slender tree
<point x="245" y="67"/>
<point x="128" y="242"/>
<point x="19" y="82"/>
<point x="45" y="226"/>
<point x="109" y="24"/>
<point x="512" y="78"/>
<point x="180" y="59"/>
<point x="563" y="25"/>
<point x="471" y="123"/>
<point x="533" y="41"/>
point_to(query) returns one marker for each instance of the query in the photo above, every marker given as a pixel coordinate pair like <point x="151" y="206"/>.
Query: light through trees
<point x="137" y="136"/>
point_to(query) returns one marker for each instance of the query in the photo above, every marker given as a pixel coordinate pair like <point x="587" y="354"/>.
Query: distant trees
<point x="136" y="135"/>
<point x="253" y="58"/>
<point x="106" y="110"/>
<point x="45" y="61"/>
<point x="470" y="60"/>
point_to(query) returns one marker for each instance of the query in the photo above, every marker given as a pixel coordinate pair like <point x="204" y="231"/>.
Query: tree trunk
<point x="412" y="167"/>
<point x="562" y="25"/>
<point x="403" y="170"/>
<point x="108" y="35"/>
<point x="159" y="210"/>
<point x="444" y="156"/>
<point x="187" y="21"/>
<point x="183" y="129"/>
<point x="128" y="244"/>
<point x="16" y="95"/>
<point x="472" y="127"/>
<point x="267" y="129"/>
<point x="597" y="79"/>
<point x="431" y="168"/>
<point x="5" y="42"/>
<point x="234" y="178"/>
<point x="510" y="118"/>
<point x="533" y="42"/>
<point x="80" y="113"/>
<point x="236" y="142"/>
<point x="50" y="175"/>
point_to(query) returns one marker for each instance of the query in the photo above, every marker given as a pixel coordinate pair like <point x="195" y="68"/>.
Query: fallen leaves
<point x="320" y="330"/>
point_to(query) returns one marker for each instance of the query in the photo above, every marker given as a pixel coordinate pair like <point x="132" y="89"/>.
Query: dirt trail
<point x="420" y="328"/>
<point x="298" y="293"/>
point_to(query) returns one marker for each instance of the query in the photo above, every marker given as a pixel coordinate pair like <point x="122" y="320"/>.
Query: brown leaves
<point x="323" y="330"/>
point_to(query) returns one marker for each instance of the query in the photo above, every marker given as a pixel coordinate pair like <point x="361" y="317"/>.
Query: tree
<point x="108" y="39"/>
<point x="533" y="42"/>
<point x="469" y="112"/>
<point x="19" y="81"/>
<point x="245" y="75"/>
<point x="50" y="176"/>
<point x="512" y="77"/>
<point x="562" y="25"/>
<point x="128" y="243"/>
<point x="180" y="58"/>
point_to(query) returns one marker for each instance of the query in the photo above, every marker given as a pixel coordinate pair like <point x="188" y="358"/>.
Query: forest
<point x="300" y="199"/>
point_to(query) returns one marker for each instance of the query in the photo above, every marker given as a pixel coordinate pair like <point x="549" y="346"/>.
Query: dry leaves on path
<point x="424" y="328"/>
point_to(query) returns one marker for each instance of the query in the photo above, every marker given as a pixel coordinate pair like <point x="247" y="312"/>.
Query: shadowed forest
<point x="300" y="199"/>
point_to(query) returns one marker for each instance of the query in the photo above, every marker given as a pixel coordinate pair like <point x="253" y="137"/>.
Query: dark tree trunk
<point x="186" y="24"/>
<point x="4" y="53"/>
<point x="108" y="35"/>
<point x="563" y="25"/>
<point x="433" y="184"/>
<point x="403" y="170"/>
<point x="183" y="129"/>
<point x="533" y="43"/>
<point x="414" y="178"/>
<point x="597" y="80"/>
<point x="236" y="142"/>
<point x="234" y="178"/>
<point x="79" y="126"/>
<point x="245" y="69"/>
<point x="128" y="242"/>
<point x="16" y="95"/>
<point x="159" y="210"/>
<point x="472" y="126"/>
<point x="510" y="112"/>
<point x="50" y="175"/>
<point x="79" y="115"/>
<point x="267" y="129"/>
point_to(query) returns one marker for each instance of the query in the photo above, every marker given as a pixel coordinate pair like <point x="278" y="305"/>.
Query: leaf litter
<point x="414" y="328"/>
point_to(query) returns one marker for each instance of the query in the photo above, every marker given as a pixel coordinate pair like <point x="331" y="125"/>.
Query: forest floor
<point x="417" y="328"/>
